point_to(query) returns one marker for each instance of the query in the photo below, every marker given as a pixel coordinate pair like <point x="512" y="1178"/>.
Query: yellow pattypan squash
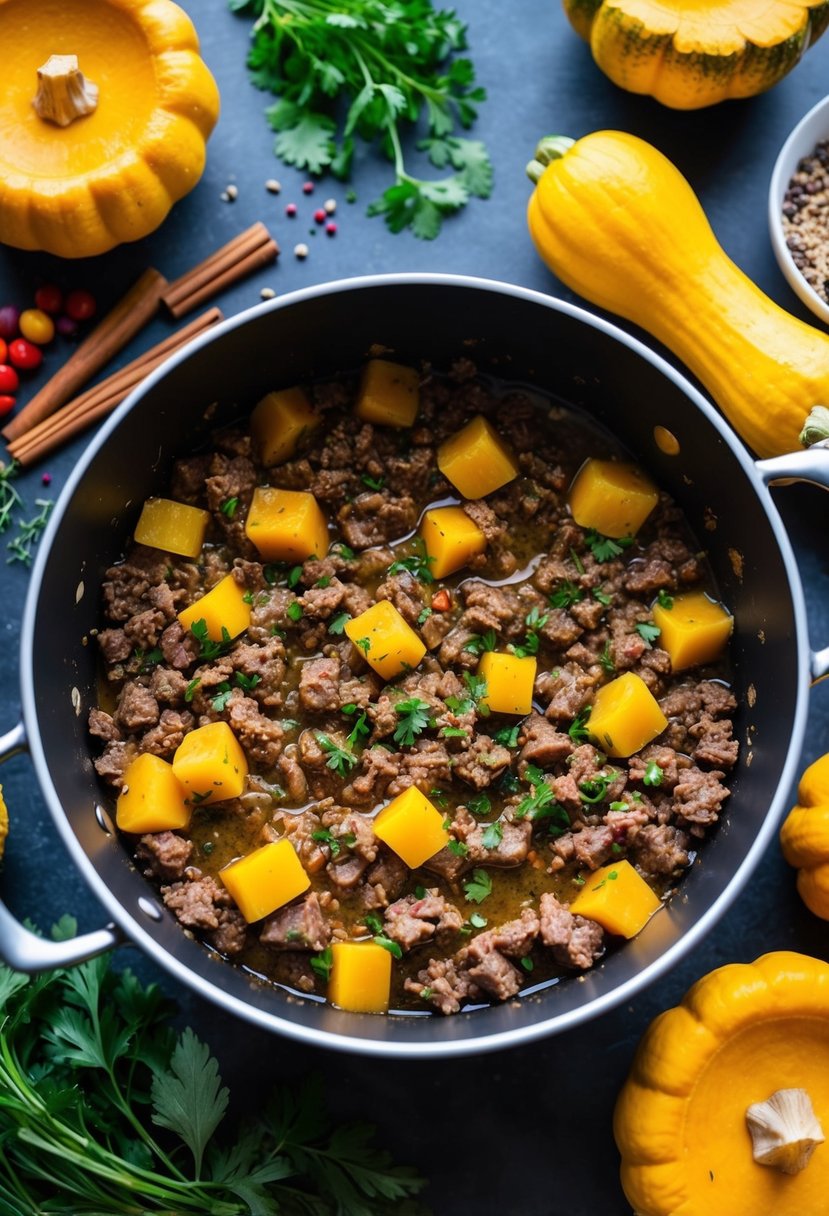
<point x="104" y="112"/>
<point x="804" y="837"/>
<point x="689" y="53"/>
<point x="724" y="1111"/>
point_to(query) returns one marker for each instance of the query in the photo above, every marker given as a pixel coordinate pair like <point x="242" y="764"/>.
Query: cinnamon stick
<point x="100" y="400"/>
<point x="247" y="252"/>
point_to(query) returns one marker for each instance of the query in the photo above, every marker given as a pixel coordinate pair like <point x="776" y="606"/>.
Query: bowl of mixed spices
<point x="799" y="209"/>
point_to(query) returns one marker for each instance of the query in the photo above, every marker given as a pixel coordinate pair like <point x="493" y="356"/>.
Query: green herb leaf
<point x="417" y="564"/>
<point x="492" y="835"/>
<point x="479" y="643"/>
<point x="28" y="533"/>
<point x="373" y="483"/>
<point x="648" y="633"/>
<point x="209" y="649"/>
<point x="566" y="595"/>
<point x="323" y="962"/>
<point x="339" y="759"/>
<point x="478" y="887"/>
<point x="664" y="600"/>
<point x="220" y="700"/>
<point x="596" y="788"/>
<point x="190" y="1099"/>
<point x="604" y="548"/>
<point x="338" y="623"/>
<point x="507" y="736"/>
<point x="479" y="804"/>
<point x="654" y="774"/>
<point x="413" y="718"/>
<point x="359" y="731"/>
<point x="248" y="683"/>
<point x="294" y="610"/>
<point x="577" y="730"/>
<point x="229" y="506"/>
<point x="606" y="660"/>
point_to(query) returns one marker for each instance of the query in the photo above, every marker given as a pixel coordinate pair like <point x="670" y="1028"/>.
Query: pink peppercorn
<point x="307" y="187"/>
<point x="319" y="215"/>
<point x="46" y="479"/>
<point x="331" y="228"/>
<point x="290" y="209"/>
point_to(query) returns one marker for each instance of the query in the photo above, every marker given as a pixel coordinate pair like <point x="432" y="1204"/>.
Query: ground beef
<point x="164" y="854"/>
<point x="301" y="926"/>
<point x="659" y="850"/>
<point x="319" y="685"/>
<point x="444" y="984"/>
<point x="541" y="743"/>
<point x="231" y="935"/>
<point x="197" y="902"/>
<point x="482" y="763"/>
<point x="137" y="708"/>
<point x="574" y="940"/>
<point x="420" y="918"/>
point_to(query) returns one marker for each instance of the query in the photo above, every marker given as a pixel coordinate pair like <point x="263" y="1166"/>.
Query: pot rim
<point x="473" y="1042"/>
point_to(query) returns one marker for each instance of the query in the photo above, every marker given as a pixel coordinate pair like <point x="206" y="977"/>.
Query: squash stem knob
<point x="785" y="1130"/>
<point x="63" y="92"/>
<point x="816" y="428"/>
<point x="551" y="147"/>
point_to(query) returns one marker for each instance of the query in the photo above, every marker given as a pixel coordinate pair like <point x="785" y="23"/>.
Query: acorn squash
<point x="688" y="53"/>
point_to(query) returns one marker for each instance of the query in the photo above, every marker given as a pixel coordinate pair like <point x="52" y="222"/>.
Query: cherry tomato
<point x="37" y="326"/>
<point x="80" y="305"/>
<point x="9" y="317"/>
<point x="25" y="355"/>
<point x="6" y="405"/>
<point x="49" y="298"/>
<point x="4" y="352"/>
<point x="9" y="380"/>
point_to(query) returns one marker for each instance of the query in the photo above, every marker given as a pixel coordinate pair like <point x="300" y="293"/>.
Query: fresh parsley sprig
<point x="413" y="718"/>
<point x="373" y="69"/>
<point x="90" y="1068"/>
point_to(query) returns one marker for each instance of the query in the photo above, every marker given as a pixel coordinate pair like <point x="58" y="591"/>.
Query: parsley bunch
<point x="90" y="1069"/>
<point x="370" y="68"/>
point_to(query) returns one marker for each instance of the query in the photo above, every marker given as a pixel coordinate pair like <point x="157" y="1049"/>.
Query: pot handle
<point x="812" y="465"/>
<point x="22" y="949"/>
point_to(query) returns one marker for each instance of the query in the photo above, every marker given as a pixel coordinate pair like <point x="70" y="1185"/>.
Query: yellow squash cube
<point x="625" y="716"/>
<point x="476" y="460"/>
<point x="266" y="879"/>
<point x="412" y="827"/>
<point x="286" y="525"/>
<point x="211" y="764"/>
<point x="360" y="977"/>
<point x="223" y="608"/>
<point x="694" y="630"/>
<point x="389" y="394"/>
<point x="173" y="526"/>
<point x="152" y="798"/>
<point x="388" y="643"/>
<point x="279" y="422"/>
<point x="509" y="682"/>
<point x="618" y="898"/>
<point x="613" y="497"/>
<point x="451" y="538"/>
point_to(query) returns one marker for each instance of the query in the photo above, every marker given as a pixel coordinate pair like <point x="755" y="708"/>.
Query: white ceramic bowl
<point x="809" y="132"/>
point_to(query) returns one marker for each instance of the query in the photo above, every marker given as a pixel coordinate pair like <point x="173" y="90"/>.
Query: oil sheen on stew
<point x="456" y="716"/>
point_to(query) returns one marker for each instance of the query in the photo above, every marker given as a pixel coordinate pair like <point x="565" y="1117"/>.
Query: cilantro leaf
<point x="413" y="719"/>
<point x="190" y="1099"/>
<point x="478" y="887"/>
<point x="339" y="759"/>
<point x="604" y="548"/>
<point x="648" y="632"/>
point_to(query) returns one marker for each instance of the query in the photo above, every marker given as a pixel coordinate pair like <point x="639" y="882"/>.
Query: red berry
<point x="25" y="355"/>
<point x="49" y="298"/>
<point x="307" y="187"/>
<point x="331" y="228"/>
<point x="319" y="215"/>
<point x="9" y="317"/>
<point x="6" y="405"/>
<point x="9" y="379"/>
<point x="80" y="305"/>
<point x="67" y="327"/>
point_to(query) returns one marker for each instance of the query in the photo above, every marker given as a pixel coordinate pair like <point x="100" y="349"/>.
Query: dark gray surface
<point x="529" y="1130"/>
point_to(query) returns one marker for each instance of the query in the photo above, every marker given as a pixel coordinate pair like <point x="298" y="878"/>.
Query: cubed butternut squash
<point x="152" y="799"/>
<point x="210" y="763"/>
<point x="412" y="827"/>
<point x="386" y="641"/>
<point x="451" y="538"/>
<point x="279" y="423"/>
<point x="224" y="610"/>
<point x="611" y="496"/>
<point x="476" y="460"/>
<point x="173" y="526"/>
<point x="286" y="525"/>
<point x="509" y="682"/>
<point x="265" y="879"/>
<point x="360" y="979"/>
<point x="618" y="898"/>
<point x="625" y="716"/>
<point x="693" y="630"/>
<point x="389" y="394"/>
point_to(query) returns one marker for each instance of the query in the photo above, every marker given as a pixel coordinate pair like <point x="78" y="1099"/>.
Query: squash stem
<point x="551" y="147"/>
<point x="816" y="428"/>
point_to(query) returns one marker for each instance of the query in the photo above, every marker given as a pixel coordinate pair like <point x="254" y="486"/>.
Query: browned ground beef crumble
<point x="293" y="676"/>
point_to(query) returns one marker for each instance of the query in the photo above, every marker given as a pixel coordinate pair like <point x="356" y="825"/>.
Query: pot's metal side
<point x="519" y="335"/>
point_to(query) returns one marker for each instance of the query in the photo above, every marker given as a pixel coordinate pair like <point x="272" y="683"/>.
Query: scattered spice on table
<point x="806" y="219"/>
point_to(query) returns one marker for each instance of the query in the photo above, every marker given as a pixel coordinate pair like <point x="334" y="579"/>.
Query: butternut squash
<point x="688" y="54"/>
<point x="619" y="224"/>
<point x="412" y="826"/>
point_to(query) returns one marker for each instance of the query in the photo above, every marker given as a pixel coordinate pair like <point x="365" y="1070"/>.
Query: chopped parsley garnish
<point x="648" y="633"/>
<point x="479" y="804"/>
<point x="604" y="548"/>
<point x="438" y="796"/>
<point x="541" y="796"/>
<point x="191" y="688"/>
<point x="457" y="847"/>
<point x="359" y="731"/>
<point x="295" y="610"/>
<point x="324" y="836"/>
<point x="553" y="815"/>
<point x="477" y="689"/>
<point x="566" y="595"/>
<point x="323" y="582"/>
<point x="479" y="642"/>
<point x="338" y="623"/>
<point x="229" y="506"/>
<point x="424" y="616"/>
<point x="373" y="483"/>
<point x="248" y="683"/>
<point x="363" y="644"/>
<point x="414" y="718"/>
<point x="323" y="962"/>
<point x="602" y="597"/>
<point x="527" y="963"/>
<point x="294" y="575"/>
<point x="339" y="759"/>
<point x="534" y="621"/>
<point x="507" y="736"/>
<point x="453" y="732"/>
<point x="221" y="698"/>
<point x="209" y="649"/>
<point x="394" y="948"/>
<point x="247" y="598"/>
<point x="664" y="600"/>
<point x="576" y="560"/>
<point x="477" y="921"/>
<point x="342" y="550"/>
<point x="577" y="730"/>
<point x="606" y="660"/>
<point x="596" y="788"/>
<point x="417" y="564"/>
<point x="149" y="658"/>
<point x="654" y="774"/>
<point x="493" y="835"/>
<point x="478" y="887"/>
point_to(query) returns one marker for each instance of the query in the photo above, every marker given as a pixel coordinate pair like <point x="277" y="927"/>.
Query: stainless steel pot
<point x="521" y="336"/>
